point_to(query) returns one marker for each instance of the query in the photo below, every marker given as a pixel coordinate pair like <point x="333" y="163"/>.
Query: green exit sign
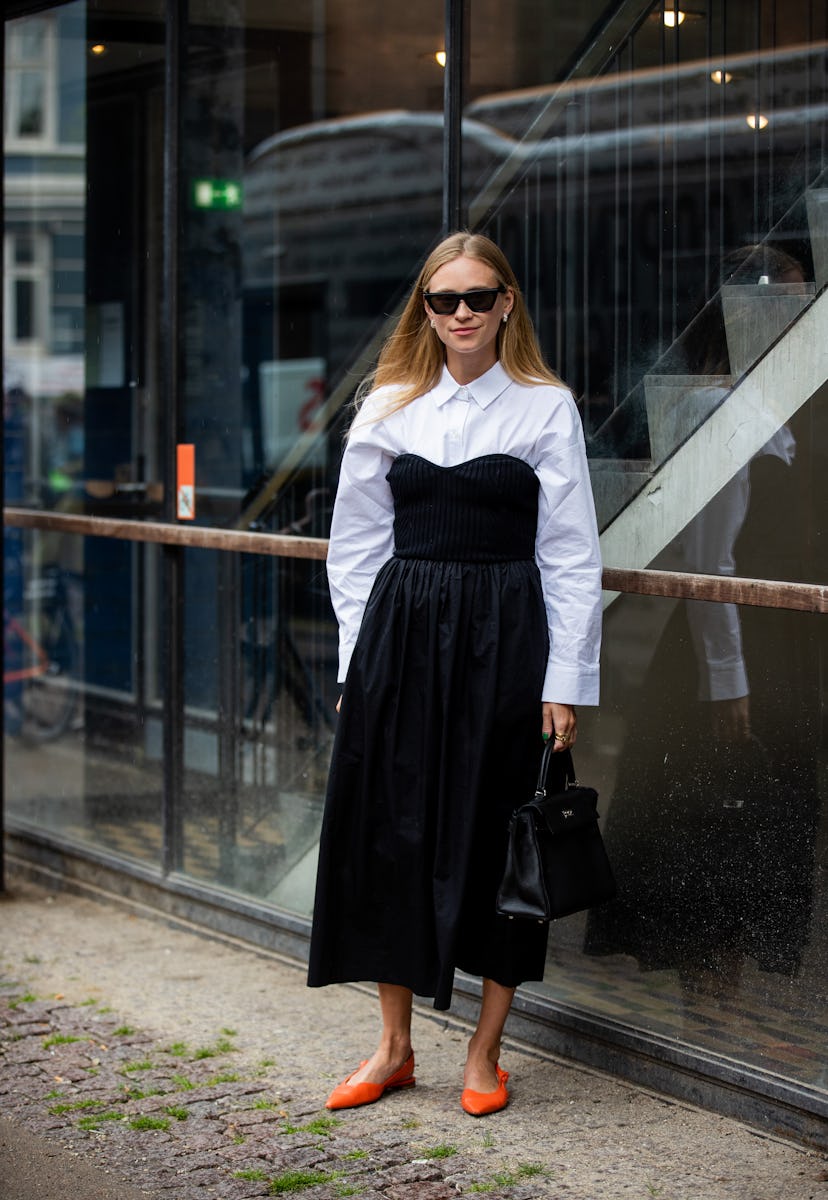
<point x="217" y="193"/>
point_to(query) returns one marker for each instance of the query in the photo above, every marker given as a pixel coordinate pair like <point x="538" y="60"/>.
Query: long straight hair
<point x="412" y="357"/>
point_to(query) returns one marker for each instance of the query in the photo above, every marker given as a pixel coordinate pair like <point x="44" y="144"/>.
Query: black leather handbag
<point x="556" y="863"/>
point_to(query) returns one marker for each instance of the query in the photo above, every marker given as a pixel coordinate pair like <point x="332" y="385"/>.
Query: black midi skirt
<point x="438" y="740"/>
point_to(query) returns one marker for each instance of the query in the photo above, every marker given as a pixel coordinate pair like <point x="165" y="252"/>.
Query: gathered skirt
<point x="438" y="740"/>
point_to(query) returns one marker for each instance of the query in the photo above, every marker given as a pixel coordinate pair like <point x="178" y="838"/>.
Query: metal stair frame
<point x="790" y="373"/>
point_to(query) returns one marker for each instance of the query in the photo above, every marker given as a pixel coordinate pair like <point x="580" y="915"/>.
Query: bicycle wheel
<point x="50" y="698"/>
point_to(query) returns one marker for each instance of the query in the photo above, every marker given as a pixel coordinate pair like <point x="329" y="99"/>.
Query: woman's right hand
<point x="339" y="704"/>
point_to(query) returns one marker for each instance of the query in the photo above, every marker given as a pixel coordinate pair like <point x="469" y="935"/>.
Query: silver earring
<point x="505" y="318"/>
<point x="433" y="326"/>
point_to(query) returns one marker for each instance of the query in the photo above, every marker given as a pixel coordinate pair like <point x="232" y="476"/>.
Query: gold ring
<point x="561" y="737"/>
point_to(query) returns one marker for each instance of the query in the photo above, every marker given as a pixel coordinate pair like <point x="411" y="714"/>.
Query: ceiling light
<point x="98" y="49"/>
<point x="757" y="120"/>
<point x="673" y="17"/>
<point x="721" y="77"/>
<point x="441" y="57"/>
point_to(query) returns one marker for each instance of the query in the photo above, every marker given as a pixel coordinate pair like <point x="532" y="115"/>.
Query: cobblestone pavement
<point x="195" y="1069"/>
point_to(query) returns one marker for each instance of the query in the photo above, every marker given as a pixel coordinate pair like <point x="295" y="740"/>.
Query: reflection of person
<point x="712" y="867"/>
<point x="707" y="543"/>
<point x="465" y="575"/>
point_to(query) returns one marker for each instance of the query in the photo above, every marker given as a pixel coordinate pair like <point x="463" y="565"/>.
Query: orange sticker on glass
<point x="185" y="482"/>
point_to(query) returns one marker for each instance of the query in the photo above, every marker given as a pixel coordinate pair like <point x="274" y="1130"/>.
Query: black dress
<point x="438" y="739"/>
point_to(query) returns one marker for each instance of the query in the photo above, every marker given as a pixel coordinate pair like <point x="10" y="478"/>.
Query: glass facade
<point x="209" y="222"/>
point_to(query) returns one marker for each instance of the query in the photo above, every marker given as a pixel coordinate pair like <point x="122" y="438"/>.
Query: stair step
<point x="677" y="405"/>
<point x="756" y="314"/>
<point x="816" y="203"/>
<point x="614" y="483"/>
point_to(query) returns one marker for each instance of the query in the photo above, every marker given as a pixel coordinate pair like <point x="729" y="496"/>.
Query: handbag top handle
<point x="563" y="761"/>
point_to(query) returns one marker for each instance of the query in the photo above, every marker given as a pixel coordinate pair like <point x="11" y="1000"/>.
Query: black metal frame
<point x="454" y="93"/>
<point x="173" y="556"/>
<point x="2" y="446"/>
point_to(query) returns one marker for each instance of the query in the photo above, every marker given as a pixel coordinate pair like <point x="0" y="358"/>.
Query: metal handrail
<point x="677" y="585"/>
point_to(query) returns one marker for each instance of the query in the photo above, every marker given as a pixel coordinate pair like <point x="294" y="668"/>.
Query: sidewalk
<point x="145" y="1060"/>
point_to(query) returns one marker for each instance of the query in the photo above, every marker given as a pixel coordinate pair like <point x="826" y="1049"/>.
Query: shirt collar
<point x="482" y="391"/>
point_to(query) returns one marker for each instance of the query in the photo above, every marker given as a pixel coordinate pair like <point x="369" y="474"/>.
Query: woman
<point x="465" y="575"/>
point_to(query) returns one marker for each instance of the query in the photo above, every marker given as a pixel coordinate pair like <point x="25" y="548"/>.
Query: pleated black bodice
<point x="482" y="510"/>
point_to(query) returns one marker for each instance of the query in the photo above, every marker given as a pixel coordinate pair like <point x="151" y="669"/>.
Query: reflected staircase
<point x="704" y="429"/>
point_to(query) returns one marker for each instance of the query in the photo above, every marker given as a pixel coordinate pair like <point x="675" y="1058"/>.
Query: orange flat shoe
<point x="480" y="1104"/>
<point x="352" y="1095"/>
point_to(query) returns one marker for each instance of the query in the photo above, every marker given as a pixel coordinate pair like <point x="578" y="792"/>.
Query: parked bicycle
<point x="40" y="661"/>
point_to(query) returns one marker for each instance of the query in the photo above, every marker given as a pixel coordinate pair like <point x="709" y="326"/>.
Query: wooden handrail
<point x="679" y="585"/>
<point x="727" y="589"/>
<point x="163" y="533"/>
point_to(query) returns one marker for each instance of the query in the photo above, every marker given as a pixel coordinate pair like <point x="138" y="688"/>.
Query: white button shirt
<point x="449" y="425"/>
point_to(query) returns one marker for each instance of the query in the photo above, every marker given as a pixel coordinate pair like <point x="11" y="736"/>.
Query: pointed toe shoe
<point x="480" y="1104"/>
<point x="352" y="1095"/>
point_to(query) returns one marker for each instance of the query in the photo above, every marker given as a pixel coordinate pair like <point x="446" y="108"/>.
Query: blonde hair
<point x="412" y="358"/>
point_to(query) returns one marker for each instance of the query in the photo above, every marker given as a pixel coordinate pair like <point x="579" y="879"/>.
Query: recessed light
<point x="757" y="120"/>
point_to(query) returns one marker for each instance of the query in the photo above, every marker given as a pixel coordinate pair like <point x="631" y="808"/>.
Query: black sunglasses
<point x="480" y="300"/>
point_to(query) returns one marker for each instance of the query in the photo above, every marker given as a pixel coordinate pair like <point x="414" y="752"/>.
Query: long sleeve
<point x="362" y="535"/>
<point x="569" y="560"/>
<point x="449" y="425"/>
<point x="708" y="547"/>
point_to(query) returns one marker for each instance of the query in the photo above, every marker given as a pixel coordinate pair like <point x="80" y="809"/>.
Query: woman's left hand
<point x="561" y="723"/>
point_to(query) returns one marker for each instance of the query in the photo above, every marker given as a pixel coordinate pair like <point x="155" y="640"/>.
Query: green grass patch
<point x="141" y="1064"/>
<point x="135" y="1093"/>
<point x="510" y="1178"/>
<point x="90" y="1124"/>
<point x="57" y="1110"/>
<point x="178" y="1049"/>
<point x="352" y="1155"/>
<point x="223" y="1077"/>
<point x="87" y="1002"/>
<point x="321" y="1126"/>
<point x="57" y="1094"/>
<point x="182" y="1083"/>
<point x="251" y="1173"/>
<point x="178" y="1111"/>
<point x="266" y="1104"/>
<point x="60" y="1039"/>
<point x="143" y="1123"/>
<point x="442" y="1151"/>
<point x="31" y="958"/>
<point x="222" y="1046"/>
<point x="123" y="1031"/>
<point x="298" y="1181"/>
<point x="231" y="1032"/>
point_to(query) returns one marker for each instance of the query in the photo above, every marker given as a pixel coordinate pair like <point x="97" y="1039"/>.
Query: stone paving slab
<point x="194" y="1068"/>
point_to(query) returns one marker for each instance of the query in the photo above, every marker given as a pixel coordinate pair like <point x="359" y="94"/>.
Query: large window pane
<point x="313" y="159"/>
<point x="662" y="190"/>
<point x="664" y="195"/>
<point x="80" y="365"/>
<point x="717" y="937"/>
